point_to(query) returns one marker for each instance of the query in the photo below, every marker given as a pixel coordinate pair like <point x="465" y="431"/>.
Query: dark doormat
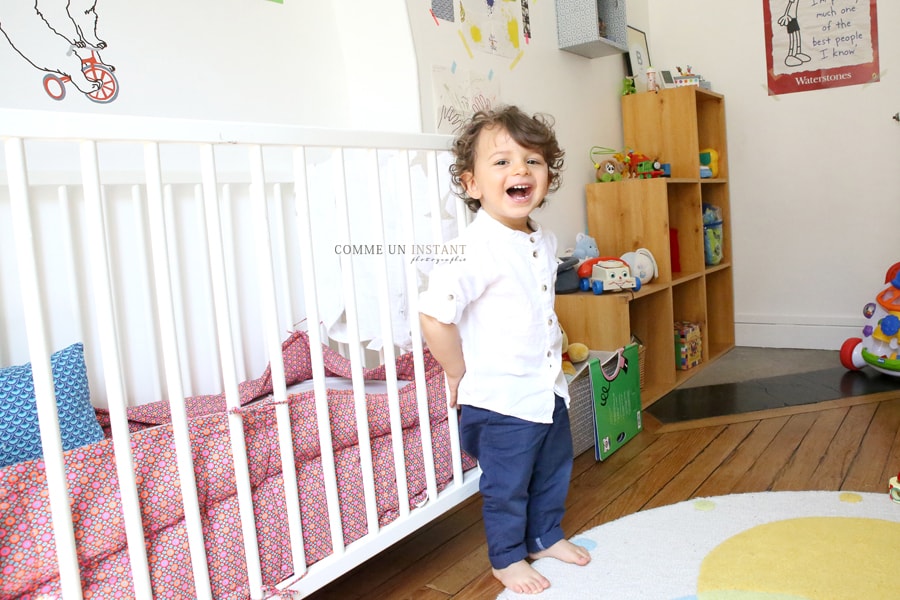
<point x="724" y="399"/>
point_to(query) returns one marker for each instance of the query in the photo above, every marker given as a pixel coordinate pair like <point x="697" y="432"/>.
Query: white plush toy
<point x="643" y="265"/>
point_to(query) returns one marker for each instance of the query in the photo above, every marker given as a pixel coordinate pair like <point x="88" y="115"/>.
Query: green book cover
<point x="616" y="391"/>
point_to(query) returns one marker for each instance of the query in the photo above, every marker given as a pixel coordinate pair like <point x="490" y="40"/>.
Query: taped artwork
<point x="492" y="27"/>
<point x="458" y="94"/>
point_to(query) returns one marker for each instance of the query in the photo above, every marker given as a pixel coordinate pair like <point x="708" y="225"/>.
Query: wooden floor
<point x="848" y="444"/>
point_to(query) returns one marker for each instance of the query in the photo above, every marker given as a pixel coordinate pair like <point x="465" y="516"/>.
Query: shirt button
<point x="534" y="254"/>
<point x="532" y="239"/>
<point x="549" y="321"/>
<point x="450" y="297"/>
<point x="549" y="353"/>
<point x="544" y="288"/>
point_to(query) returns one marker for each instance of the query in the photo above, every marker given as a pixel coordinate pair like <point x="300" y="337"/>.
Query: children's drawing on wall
<point x="458" y="94"/>
<point x="59" y="38"/>
<point x="816" y="44"/>
<point x="492" y="26"/>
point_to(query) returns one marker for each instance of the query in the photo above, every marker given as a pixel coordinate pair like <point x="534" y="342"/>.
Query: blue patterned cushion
<point x="20" y="436"/>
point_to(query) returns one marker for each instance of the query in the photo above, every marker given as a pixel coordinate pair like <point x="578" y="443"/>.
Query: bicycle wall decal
<point x="107" y="86"/>
<point x="59" y="37"/>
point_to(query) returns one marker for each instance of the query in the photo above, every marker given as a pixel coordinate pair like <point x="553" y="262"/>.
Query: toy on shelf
<point x="567" y="275"/>
<point x="585" y="247"/>
<point x="709" y="163"/>
<point x="622" y="165"/>
<point x="608" y="169"/>
<point x="688" y="345"/>
<point x="687" y="77"/>
<point x="650" y="169"/>
<point x="572" y="352"/>
<point x="652" y="84"/>
<point x="641" y="166"/>
<point x="713" y="234"/>
<point x="878" y="348"/>
<point x="643" y="264"/>
<point x="628" y="86"/>
<point x="607" y="274"/>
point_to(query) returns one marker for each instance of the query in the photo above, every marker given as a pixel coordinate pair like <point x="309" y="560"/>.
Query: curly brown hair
<point x="533" y="132"/>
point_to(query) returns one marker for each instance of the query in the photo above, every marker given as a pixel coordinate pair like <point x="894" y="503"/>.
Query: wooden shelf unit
<point x="672" y="125"/>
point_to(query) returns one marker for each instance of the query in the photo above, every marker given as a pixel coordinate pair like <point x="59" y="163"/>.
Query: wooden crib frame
<point x="152" y="183"/>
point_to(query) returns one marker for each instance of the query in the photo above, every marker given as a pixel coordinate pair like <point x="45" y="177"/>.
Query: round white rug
<point x="762" y="546"/>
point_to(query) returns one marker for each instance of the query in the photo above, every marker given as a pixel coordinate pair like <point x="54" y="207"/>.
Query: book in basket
<point x="616" y="391"/>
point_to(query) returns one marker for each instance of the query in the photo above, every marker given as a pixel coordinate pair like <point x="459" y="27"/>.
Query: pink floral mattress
<point x="27" y="550"/>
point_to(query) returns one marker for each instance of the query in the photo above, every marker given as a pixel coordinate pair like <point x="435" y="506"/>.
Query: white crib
<point x="221" y="278"/>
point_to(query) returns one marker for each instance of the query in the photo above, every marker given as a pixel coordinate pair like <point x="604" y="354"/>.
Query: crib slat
<point x="175" y="262"/>
<point x="227" y="226"/>
<point x="412" y="294"/>
<point x="348" y="286"/>
<point x="265" y="271"/>
<point x="74" y="283"/>
<point x="153" y="385"/>
<point x="42" y="373"/>
<point x="280" y="257"/>
<point x="112" y="367"/>
<point x="222" y="309"/>
<point x="317" y="361"/>
<point x="433" y="200"/>
<point x="271" y="325"/>
<point x="172" y="363"/>
<point x="208" y="316"/>
<point x="389" y="354"/>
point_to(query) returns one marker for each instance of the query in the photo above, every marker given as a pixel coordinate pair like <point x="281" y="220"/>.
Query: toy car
<point x="880" y="344"/>
<point x="606" y="274"/>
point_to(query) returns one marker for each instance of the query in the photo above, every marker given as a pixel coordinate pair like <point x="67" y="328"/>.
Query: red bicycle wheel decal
<point x="54" y="87"/>
<point x="109" y="87"/>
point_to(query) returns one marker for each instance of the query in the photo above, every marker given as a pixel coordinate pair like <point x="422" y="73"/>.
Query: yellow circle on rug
<point x="812" y="558"/>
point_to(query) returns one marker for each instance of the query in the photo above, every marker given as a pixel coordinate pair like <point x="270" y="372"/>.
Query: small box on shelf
<point x="688" y="345"/>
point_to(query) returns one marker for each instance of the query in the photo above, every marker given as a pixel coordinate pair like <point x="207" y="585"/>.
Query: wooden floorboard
<point x="853" y="446"/>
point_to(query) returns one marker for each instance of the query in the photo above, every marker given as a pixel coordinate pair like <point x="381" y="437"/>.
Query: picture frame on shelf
<point x="638" y="57"/>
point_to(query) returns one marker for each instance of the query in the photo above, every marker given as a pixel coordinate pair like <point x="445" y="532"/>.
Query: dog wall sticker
<point x="59" y="37"/>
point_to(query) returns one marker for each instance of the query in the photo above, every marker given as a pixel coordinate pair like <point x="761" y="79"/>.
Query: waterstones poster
<point x="818" y="44"/>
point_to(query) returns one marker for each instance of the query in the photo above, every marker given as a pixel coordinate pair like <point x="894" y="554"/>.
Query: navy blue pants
<point x="526" y="469"/>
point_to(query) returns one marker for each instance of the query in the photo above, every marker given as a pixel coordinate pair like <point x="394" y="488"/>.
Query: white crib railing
<point x="147" y="218"/>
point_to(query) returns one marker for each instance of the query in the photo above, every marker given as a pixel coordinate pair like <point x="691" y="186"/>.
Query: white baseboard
<point x="779" y="332"/>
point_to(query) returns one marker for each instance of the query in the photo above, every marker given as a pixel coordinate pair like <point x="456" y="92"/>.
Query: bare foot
<point x="522" y="578"/>
<point x="565" y="551"/>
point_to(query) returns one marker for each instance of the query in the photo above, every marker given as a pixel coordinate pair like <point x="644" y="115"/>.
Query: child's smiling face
<point x="508" y="179"/>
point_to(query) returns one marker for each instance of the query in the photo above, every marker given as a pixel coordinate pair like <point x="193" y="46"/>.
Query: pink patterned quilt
<point x="27" y="550"/>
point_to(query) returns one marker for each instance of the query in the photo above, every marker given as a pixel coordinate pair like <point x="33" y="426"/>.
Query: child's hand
<point x="446" y="347"/>
<point x="453" y="388"/>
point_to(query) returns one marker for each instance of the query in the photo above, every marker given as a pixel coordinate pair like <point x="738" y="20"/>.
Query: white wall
<point x="815" y="188"/>
<point x="344" y="64"/>
<point x="581" y="94"/>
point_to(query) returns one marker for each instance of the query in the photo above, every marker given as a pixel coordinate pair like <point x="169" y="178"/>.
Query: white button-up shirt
<point x="499" y="291"/>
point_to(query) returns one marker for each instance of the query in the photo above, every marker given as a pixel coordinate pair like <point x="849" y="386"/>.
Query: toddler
<point x="489" y="319"/>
